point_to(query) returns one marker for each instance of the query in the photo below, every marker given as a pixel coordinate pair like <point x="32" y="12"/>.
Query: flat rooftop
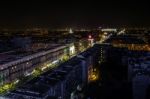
<point x="12" y="56"/>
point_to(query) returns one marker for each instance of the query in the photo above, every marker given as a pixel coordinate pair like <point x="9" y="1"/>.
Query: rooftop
<point x="40" y="85"/>
<point x="16" y="56"/>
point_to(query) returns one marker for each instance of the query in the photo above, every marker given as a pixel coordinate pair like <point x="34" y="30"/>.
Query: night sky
<point x="73" y="14"/>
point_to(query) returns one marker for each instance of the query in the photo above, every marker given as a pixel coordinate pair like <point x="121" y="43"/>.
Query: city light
<point x="105" y="33"/>
<point x="56" y="61"/>
<point x="70" y="31"/>
<point x="93" y="76"/>
<point x="121" y="32"/>
<point x="109" y="30"/>
<point x="28" y="74"/>
<point x="49" y="64"/>
<point x="72" y="50"/>
<point x="43" y="68"/>
<point x="75" y="50"/>
<point x="91" y="40"/>
<point x="90" y="37"/>
<point x="17" y="81"/>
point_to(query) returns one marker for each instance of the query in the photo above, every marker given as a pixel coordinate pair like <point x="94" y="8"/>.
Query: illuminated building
<point x="70" y="31"/>
<point x="91" y="40"/>
<point x="104" y="51"/>
<point x="109" y="30"/>
<point x="60" y="82"/>
<point x="14" y="65"/>
<point x="72" y="49"/>
<point x="138" y="47"/>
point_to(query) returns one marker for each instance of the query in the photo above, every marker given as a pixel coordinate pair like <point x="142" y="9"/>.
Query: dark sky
<point x="73" y="13"/>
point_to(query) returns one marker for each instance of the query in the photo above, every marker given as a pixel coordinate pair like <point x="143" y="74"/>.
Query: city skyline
<point x="74" y="49"/>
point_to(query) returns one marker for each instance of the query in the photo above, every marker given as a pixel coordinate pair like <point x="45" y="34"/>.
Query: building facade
<point x="60" y="82"/>
<point x="12" y="70"/>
